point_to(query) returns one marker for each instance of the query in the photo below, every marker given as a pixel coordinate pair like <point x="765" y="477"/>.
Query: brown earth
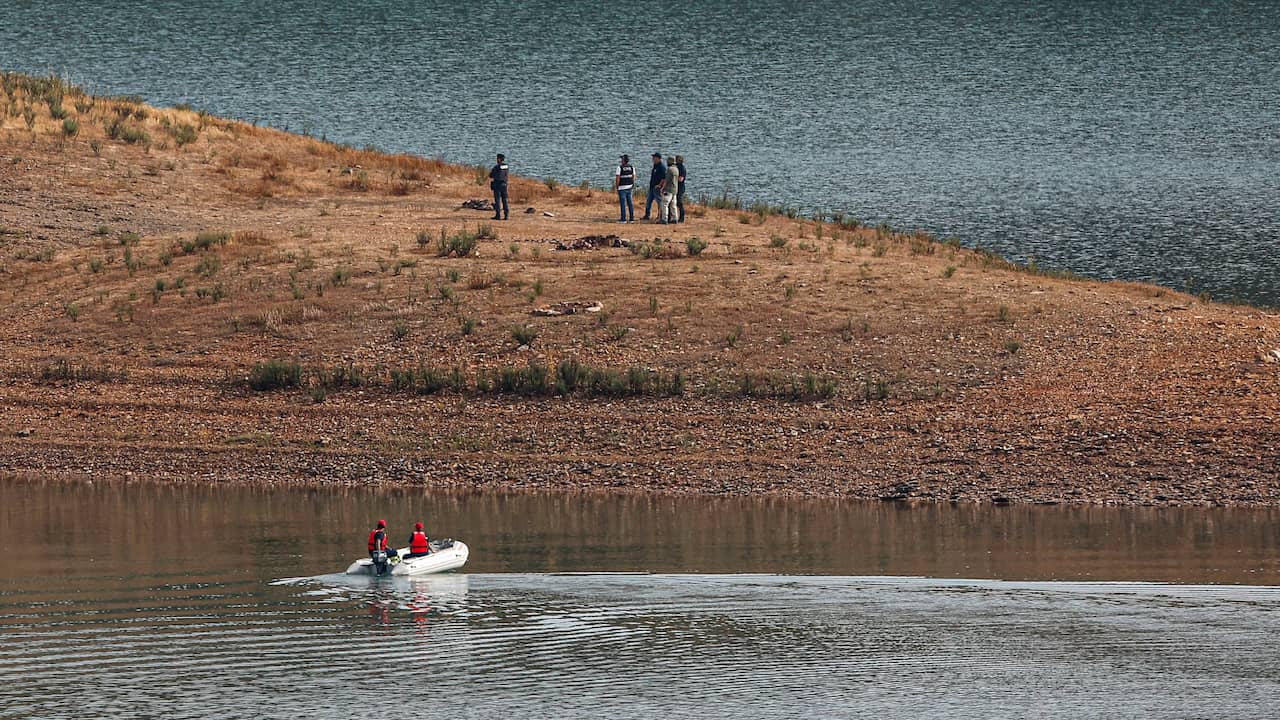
<point x="958" y="376"/>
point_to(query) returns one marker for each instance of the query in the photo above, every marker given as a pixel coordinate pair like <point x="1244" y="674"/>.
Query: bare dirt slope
<point x="151" y="258"/>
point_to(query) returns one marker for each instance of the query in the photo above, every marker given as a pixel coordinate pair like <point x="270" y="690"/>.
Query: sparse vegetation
<point x="275" y="375"/>
<point x="208" y="266"/>
<point x="184" y="134"/>
<point x="734" y="336"/>
<point x="67" y="371"/>
<point x="808" y="386"/>
<point x="459" y="244"/>
<point x="524" y="334"/>
<point x="695" y="245"/>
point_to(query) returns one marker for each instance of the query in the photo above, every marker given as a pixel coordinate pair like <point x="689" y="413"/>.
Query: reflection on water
<point x="195" y="602"/>
<point x="119" y="528"/>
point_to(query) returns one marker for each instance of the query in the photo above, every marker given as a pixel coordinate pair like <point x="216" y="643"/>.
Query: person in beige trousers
<point x="669" y="210"/>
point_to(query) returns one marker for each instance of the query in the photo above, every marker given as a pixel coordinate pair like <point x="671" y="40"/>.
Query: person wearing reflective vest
<point x="418" y="543"/>
<point x="624" y="181"/>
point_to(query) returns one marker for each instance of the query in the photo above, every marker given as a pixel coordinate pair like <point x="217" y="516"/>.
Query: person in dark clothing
<point x="498" y="181"/>
<point x="656" y="176"/>
<point x="680" y="195"/>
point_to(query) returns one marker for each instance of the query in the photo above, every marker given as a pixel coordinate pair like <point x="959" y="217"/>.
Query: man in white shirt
<point x="624" y="181"/>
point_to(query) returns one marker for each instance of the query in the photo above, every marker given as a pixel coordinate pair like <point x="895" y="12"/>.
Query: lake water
<point x="1120" y="140"/>
<point x="192" y="602"/>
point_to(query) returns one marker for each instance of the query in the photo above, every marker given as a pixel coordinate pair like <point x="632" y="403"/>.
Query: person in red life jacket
<point x="418" y="544"/>
<point x="378" y="538"/>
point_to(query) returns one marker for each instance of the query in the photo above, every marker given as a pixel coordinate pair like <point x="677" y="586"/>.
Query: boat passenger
<point x="418" y="544"/>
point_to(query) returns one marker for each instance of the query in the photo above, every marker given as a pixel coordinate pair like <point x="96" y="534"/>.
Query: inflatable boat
<point x="445" y="555"/>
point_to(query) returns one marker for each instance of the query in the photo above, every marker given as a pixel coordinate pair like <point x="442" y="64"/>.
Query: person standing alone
<point x="680" y="195"/>
<point x="669" y="211"/>
<point x="624" y="181"/>
<point x="498" y="181"/>
<point x="656" y="176"/>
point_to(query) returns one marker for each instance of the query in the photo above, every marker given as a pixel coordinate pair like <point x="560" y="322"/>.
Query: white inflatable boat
<point x="445" y="555"/>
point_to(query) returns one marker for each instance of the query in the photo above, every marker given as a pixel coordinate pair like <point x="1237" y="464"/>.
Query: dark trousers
<point x="500" y="201"/>
<point x="655" y="196"/>
<point x="680" y="201"/>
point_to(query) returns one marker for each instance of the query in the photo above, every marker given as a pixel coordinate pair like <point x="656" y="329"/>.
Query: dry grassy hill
<point x="189" y="297"/>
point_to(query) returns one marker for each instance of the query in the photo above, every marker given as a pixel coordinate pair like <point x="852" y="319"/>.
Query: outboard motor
<point x="380" y="562"/>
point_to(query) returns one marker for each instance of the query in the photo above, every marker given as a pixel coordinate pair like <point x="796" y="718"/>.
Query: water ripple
<point x="626" y="645"/>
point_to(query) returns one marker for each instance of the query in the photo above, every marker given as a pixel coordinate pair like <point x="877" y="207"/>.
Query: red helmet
<point x="382" y="523"/>
<point x="417" y="526"/>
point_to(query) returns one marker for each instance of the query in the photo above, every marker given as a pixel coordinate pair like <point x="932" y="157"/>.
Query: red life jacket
<point x="418" y="543"/>
<point x="373" y="540"/>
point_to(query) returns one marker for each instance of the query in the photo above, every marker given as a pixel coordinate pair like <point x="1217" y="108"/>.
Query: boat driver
<point x="378" y="540"/>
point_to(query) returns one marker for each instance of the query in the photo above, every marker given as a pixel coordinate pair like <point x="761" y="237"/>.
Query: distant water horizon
<point x="1134" y="142"/>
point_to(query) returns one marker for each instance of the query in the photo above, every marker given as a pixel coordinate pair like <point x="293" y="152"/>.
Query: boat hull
<point x="440" y="560"/>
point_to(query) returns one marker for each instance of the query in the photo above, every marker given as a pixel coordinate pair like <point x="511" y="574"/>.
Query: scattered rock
<point x="477" y="205"/>
<point x="566" y="308"/>
<point x="26" y="432"/>
<point x="591" y="242"/>
<point x="1272" y="356"/>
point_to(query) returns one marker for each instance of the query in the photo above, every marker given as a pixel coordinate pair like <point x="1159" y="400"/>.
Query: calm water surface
<point x="1136" y="140"/>
<point x="190" y="602"/>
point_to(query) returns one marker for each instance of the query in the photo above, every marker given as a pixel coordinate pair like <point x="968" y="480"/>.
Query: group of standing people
<point x="666" y="187"/>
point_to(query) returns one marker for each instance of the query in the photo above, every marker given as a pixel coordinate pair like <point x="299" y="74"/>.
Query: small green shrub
<point x="734" y="336"/>
<point x="208" y="266"/>
<point x="459" y="244"/>
<point x="275" y="375"/>
<point x="695" y="245"/>
<point x="184" y="134"/>
<point x="524" y="334"/>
